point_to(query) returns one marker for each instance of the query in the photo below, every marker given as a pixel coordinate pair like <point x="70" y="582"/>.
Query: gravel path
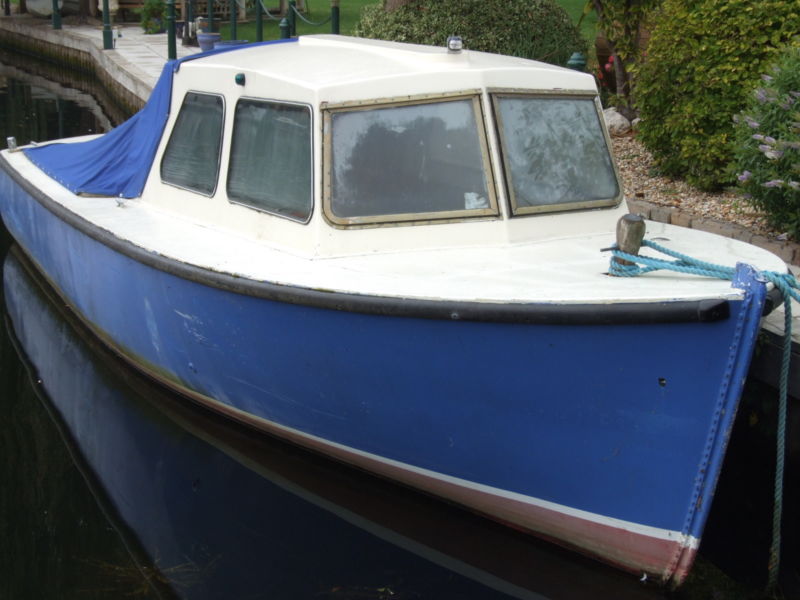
<point x="635" y="164"/>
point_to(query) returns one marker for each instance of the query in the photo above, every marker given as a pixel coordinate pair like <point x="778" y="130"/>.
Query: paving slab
<point x="143" y="55"/>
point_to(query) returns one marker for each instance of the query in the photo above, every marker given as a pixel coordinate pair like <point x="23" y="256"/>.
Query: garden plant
<point x="703" y="61"/>
<point x="535" y="29"/>
<point x="768" y="145"/>
<point x="622" y="22"/>
<point x="153" y="16"/>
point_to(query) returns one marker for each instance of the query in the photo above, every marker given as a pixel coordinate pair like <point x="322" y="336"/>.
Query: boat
<point x="395" y="255"/>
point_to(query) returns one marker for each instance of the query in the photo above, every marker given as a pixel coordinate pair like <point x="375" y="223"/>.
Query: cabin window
<point x="412" y="161"/>
<point x="270" y="167"/>
<point x="191" y="159"/>
<point x="555" y="153"/>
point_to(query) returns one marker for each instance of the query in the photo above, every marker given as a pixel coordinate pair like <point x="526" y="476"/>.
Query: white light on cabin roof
<point x="455" y="44"/>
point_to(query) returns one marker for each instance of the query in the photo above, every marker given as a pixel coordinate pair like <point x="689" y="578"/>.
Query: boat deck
<point x="567" y="269"/>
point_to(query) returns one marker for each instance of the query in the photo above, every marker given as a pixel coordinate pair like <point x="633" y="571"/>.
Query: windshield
<point x="408" y="162"/>
<point x="554" y="153"/>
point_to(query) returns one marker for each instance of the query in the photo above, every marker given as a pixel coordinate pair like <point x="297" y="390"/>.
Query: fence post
<point x="108" y="35"/>
<point x="210" y="16"/>
<point x="172" y="51"/>
<point x="285" y="28"/>
<point x="259" y="22"/>
<point x="56" y="15"/>
<point x="187" y="19"/>
<point x="292" y="18"/>
<point x="335" y="17"/>
<point x="234" y="10"/>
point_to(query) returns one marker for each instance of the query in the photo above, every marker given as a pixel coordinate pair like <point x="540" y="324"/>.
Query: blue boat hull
<point x="215" y="493"/>
<point x="605" y="437"/>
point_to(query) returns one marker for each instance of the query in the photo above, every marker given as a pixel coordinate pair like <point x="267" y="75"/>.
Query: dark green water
<point x="114" y="488"/>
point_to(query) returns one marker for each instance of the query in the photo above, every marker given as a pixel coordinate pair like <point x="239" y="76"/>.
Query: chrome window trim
<point x="496" y="94"/>
<point x="219" y="155"/>
<point x="396" y="219"/>
<point x="311" y="130"/>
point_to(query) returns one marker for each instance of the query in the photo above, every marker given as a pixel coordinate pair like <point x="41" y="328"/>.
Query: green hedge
<point x="704" y="59"/>
<point x="536" y="29"/>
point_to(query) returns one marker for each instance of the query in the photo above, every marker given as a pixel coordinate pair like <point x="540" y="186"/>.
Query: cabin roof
<point x="326" y="63"/>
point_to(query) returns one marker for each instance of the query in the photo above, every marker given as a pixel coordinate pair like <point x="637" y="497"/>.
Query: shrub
<point x="536" y="29"/>
<point x="152" y="16"/>
<point x="703" y="61"/>
<point x="768" y="145"/>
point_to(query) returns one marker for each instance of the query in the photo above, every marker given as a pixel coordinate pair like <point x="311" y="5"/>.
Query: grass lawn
<point x="350" y="11"/>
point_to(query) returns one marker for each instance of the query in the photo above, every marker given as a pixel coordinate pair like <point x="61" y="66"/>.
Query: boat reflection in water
<point x="221" y="512"/>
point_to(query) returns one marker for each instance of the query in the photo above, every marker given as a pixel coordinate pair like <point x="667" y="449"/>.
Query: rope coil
<point x="790" y="289"/>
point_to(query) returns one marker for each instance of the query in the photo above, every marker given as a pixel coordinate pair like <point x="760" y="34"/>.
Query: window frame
<point x="395" y="219"/>
<point x="312" y="168"/>
<point x="495" y="95"/>
<point x="213" y="191"/>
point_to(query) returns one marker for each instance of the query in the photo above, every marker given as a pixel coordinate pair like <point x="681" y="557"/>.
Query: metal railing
<point x="287" y="24"/>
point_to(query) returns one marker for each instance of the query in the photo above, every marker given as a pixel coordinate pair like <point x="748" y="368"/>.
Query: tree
<point x="622" y="23"/>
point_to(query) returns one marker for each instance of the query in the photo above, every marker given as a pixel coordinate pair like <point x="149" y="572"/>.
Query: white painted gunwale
<point x="552" y="268"/>
<point x="544" y="258"/>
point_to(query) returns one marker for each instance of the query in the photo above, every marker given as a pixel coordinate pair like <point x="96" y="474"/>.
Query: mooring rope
<point x="299" y="14"/>
<point x="788" y="286"/>
<point x="266" y="12"/>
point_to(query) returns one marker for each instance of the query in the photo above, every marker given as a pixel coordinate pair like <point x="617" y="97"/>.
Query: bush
<point x="536" y="29"/>
<point x="768" y="145"/>
<point x="152" y="16"/>
<point x="703" y="61"/>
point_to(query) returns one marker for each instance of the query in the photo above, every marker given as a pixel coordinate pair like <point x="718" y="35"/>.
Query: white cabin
<point x="315" y="101"/>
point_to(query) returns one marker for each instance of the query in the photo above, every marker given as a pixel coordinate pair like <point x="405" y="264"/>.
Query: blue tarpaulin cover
<point x="118" y="162"/>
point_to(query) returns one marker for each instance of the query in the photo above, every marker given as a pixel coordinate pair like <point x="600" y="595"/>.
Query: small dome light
<point x="239" y="79"/>
<point x="454" y="44"/>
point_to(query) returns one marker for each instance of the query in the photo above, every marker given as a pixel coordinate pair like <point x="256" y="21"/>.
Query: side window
<point x="270" y="167"/>
<point x="191" y="159"/>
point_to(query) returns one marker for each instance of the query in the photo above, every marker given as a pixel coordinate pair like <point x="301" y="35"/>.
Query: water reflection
<point x="90" y="105"/>
<point x="33" y="108"/>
